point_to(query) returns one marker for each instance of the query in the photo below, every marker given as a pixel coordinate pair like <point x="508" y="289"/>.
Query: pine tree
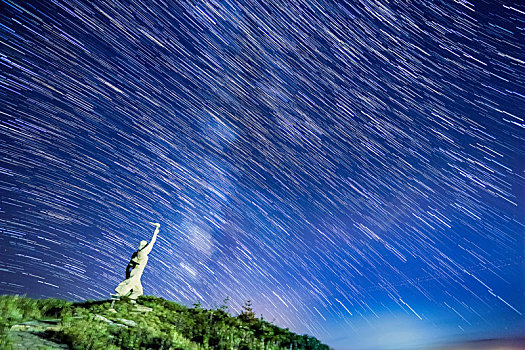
<point x="247" y="314"/>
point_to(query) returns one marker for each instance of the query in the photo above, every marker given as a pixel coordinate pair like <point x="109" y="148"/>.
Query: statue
<point x="131" y="286"/>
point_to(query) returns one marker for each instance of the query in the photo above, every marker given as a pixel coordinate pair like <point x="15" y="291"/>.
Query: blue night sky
<point x="356" y="169"/>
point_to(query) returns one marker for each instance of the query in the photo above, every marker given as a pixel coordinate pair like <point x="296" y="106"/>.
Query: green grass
<point x="15" y="309"/>
<point x="168" y="326"/>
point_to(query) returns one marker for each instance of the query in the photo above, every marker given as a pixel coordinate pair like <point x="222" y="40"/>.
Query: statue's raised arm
<point x="147" y="249"/>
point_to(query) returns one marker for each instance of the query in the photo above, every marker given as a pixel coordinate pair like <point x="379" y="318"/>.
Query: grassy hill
<point x="168" y="325"/>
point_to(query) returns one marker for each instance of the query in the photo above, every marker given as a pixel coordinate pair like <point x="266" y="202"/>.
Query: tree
<point x="224" y="306"/>
<point x="247" y="314"/>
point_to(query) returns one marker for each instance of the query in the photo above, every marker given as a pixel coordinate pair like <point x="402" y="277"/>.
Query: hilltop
<point x="152" y="323"/>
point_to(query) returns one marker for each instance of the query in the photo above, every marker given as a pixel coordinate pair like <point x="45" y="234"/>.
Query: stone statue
<point x="131" y="286"/>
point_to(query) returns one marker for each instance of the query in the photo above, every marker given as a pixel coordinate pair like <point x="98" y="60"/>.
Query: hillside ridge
<point x="151" y="323"/>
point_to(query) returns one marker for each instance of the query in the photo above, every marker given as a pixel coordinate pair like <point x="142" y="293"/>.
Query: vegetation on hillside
<point x="169" y="325"/>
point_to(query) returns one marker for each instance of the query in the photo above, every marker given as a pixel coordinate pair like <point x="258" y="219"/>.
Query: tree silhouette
<point x="247" y="314"/>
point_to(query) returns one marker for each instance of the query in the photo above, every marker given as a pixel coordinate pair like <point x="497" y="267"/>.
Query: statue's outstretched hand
<point x="155" y="224"/>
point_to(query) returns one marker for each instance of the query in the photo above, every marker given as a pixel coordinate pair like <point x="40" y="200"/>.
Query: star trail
<point x="355" y="169"/>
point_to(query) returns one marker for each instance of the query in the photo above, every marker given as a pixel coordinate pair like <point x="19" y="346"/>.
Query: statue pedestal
<point x="137" y="308"/>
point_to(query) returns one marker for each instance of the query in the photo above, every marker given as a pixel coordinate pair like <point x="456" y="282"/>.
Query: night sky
<point x="355" y="169"/>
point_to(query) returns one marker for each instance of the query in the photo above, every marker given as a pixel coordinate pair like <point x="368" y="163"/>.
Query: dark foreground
<point x="153" y="323"/>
